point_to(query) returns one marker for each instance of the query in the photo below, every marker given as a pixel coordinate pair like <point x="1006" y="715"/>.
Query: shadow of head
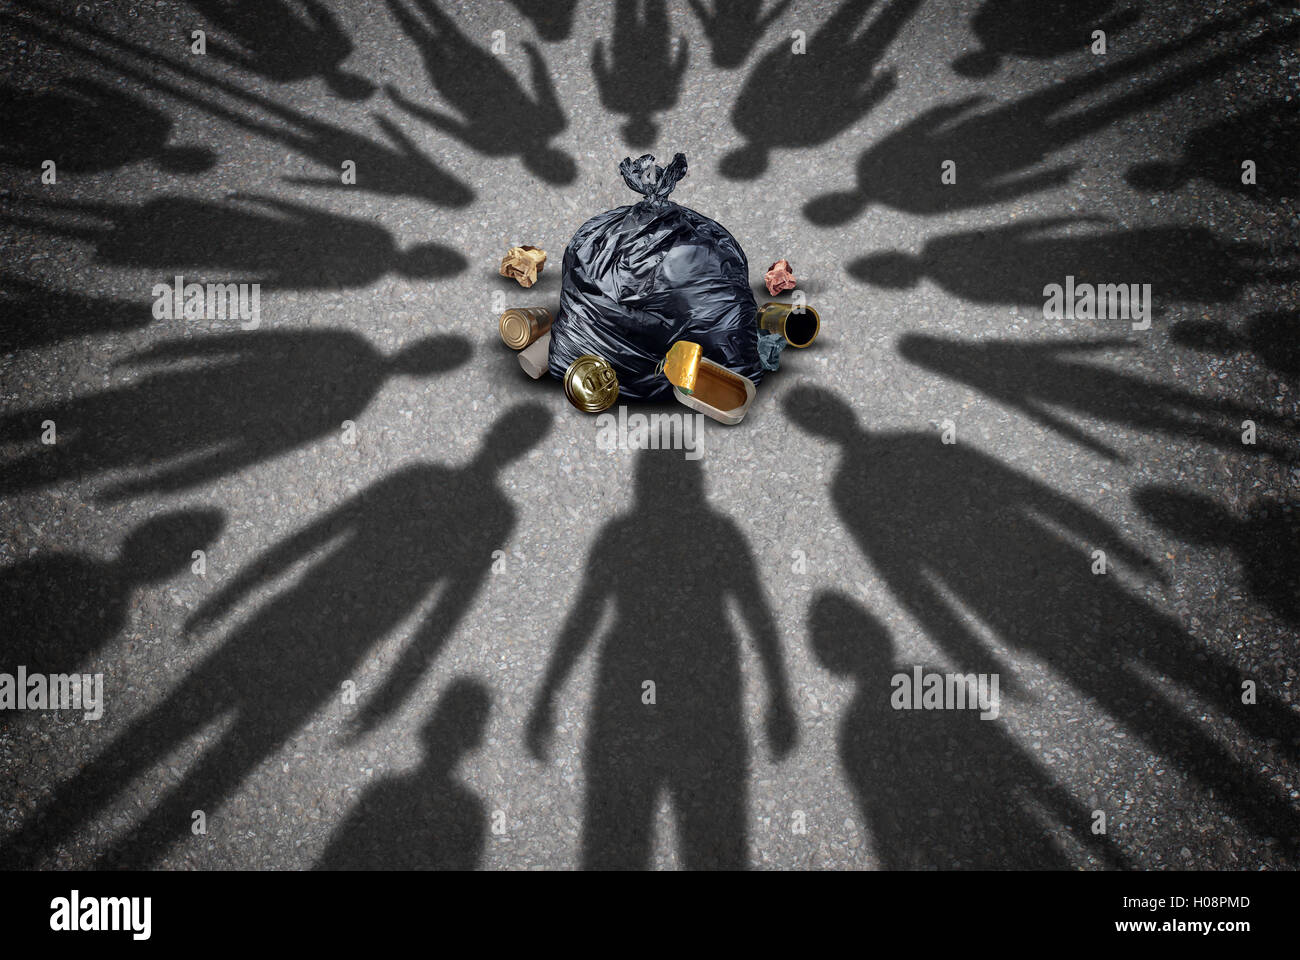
<point x="552" y="19"/>
<point x="640" y="131"/>
<point x="551" y="164"/>
<point x="1205" y="335"/>
<point x="744" y="163"/>
<point x="1190" y="516"/>
<point x="186" y="159"/>
<point x="428" y="261"/>
<point x="457" y="723"/>
<point x="666" y="477"/>
<point x="431" y="355"/>
<point x="945" y="356"/>
<point x="349" y="86"/>
<point x="822" y="413"/>
<point x="1275" y="337"/>
<point x="1155" y="177"/>
<point x="978" y="63"/>
<point x="513" y="434"/>
<point x="162" y="546"/>
<point x="890" y="268"/>
<point x="847" y="640"/>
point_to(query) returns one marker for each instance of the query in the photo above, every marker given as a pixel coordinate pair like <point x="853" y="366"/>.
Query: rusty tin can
<point x="798" y="324"/>
<point x="521" y="326"/>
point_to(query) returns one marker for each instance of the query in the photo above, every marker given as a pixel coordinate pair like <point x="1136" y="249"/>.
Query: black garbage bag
<point x="639" y="278"/>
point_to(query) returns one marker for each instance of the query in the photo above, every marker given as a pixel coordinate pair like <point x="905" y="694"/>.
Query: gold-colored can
<point x="799" y="324"/>
<point x="591" y="384"/>
<point x="521" y="326"/>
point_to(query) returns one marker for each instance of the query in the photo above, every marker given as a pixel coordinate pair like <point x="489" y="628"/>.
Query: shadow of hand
<point x="782" y="731"/>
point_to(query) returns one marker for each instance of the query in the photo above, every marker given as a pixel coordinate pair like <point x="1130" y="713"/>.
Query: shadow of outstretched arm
<point x="574" y="639"/>
<point x="424" y="647"/>
<point x="781" y="726"/>
<point x="275" y="561"/>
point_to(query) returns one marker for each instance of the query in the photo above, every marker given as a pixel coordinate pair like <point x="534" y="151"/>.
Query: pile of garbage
<point x="655" y="301"/>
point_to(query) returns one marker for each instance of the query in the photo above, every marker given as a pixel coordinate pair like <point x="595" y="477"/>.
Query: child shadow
<point x="425" y="819"/>
<point x="941" y="789"/>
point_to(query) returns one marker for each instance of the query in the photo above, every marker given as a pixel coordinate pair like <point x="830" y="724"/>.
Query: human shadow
<point x="37" y="314"/>
<point x="940" y="789"/>
<point x="497" y="116"/>
<point x="804" y="100"/>
<point x="1272" y="336"/>
<point x="552" y="19"/>
<point x="1038" y="29"/>
<point x="669" y="566"/>
<point x="638" y="74"/>
<point x="425" y="819"/>
<point x="87" y="126"/>
<point x="1268" y="134"/>
<point x="205" y="407"/>
<point x="734" y="27"/>
<point x="1266" y="538"/>
<point x="971" y="547"/>
<point x="59" y="610"/>
<point x="253" y="239"/>
<point x="370" y="563"/>
<point x="393" y="168"/>
<point x="1013" y="263"/>
<point x="284" y="42"/>
<point x="997" y="153"/>
<point x="1048" y="380"/>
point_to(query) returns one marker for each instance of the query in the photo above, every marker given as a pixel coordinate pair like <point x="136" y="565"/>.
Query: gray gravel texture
<point x="374" y="563"/>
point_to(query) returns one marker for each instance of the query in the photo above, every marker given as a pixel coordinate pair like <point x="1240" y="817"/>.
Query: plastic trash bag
<point x="637" y="279"/>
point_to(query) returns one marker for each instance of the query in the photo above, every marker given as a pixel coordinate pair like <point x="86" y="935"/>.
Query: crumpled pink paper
<point x="523" y="264"/>
<point x="779" y="277"/>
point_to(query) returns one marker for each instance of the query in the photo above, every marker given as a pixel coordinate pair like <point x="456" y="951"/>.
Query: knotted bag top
<point x="646" y="177"/>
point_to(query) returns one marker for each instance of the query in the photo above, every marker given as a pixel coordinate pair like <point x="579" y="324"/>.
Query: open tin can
<point x="798" y="324"/>
<point x="708" y="387"/>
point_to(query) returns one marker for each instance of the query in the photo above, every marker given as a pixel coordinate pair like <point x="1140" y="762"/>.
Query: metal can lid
<point x="681" y="365"/>
<point x="591" y="384"/>
<point x="515" y="329"/>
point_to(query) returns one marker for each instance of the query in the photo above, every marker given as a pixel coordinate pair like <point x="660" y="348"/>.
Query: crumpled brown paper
<point x="523" y="264"/>
<point x="779" y="277"/>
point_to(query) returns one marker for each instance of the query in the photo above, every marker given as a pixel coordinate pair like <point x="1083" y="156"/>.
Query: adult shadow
<point x="284" y="42"/>
<point x="205" y="407"/>
<point x="940" y="789"/>
<point x="1013" y="264"/>
<point x="1046" y="380"/>
<point x="638" y="75"/>
<point x="969" y="545"/>
<point x="1273" y="337"/>
<point x="997" y="153"/>
<point x="392" y="168"/>
<point x="369" y="564"/>
<point x="425" y="819"/>
<point x="734" y="27"/>
<point x="277" y="243"/>
<point x="1268" y="134"/>
<point x="1265" y="539"/>
<point x="37" y="314"/>
<point x="498" y="117"/>
<point x="552" y="19"/>
<point x="669" y="566"/>
<point x="59" y="610"/>
<point x="804" y="100"/>
<point x="1038" y="29"/>
<point x="87" y="126"/>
